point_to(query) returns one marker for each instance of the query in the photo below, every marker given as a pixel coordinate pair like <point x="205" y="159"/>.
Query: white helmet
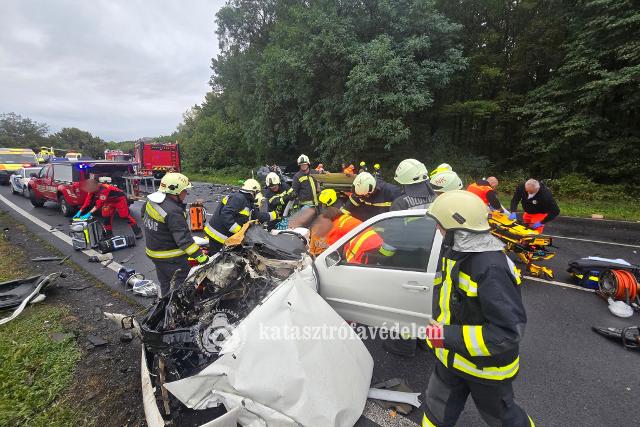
<point x="446" y="181"/>
<point x="443" y="167"/>
<point x="250" y="186"/>
<point x="364" y="183"/>
<point x="272" y="179"/>
<point x="460" y="210"/>
<point x="411" y="171"/>
<point x="303" y="159"/>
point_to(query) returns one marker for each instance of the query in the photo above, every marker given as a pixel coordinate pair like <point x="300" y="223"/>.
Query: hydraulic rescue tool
<point x="527" y="244"/>
<point x="630" y="336"/>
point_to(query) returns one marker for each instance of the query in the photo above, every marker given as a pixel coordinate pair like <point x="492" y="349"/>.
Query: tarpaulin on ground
<point x="268" y="377"/>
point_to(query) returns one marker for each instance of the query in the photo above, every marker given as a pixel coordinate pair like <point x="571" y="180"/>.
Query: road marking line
<point x="564" y="285"/>
<point x="59" y="234"/>
<point x="594" y="241"/>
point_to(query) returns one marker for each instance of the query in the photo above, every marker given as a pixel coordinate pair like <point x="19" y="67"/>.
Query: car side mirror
<point x="332" y="259"/>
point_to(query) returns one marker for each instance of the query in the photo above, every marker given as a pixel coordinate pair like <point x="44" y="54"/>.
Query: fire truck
<point x="117" y="156"/>
<point x="156" y="158"/>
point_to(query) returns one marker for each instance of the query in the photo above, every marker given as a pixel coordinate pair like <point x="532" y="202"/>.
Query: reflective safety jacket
<point x="488" y="195"/>
<point x="106" y="194"/>
<point x="306" y="187"/>
<point x="232" y="213"/>
<point x="379" y="202"/>
<point x="477" y="298"/>
<point x="358" y="249"/>
<point x="167" y="233"/>
<point x="341" y="226"/>
<point x="277" y="201"/>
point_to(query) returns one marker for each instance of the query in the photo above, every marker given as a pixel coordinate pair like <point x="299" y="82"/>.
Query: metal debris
<point x="48" y="258"/>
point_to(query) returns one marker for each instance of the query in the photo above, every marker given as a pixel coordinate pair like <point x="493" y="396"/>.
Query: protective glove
<point x="202" y="259"/>
<point x="86" y="216"/>
<point x="77" y="215"/>
<point x="513" y="216"/>
<point x="435" y="334"/>
<point x="537" y="225"/>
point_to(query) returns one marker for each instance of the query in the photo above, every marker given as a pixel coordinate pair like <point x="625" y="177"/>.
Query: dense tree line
<point x="22" y="132"/>
<point x="545" y="86"/>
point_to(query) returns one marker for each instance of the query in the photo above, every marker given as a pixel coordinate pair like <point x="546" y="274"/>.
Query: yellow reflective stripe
<point x="445" y="294"/>
<point x="303" y="178"/>
<point x="343" y="220"/>
<point x="442" y="354"/>
<point x="474" y="341"/>
<point x="225" y="199"/>
<point x="235" y="228"/>
<point x="487" y="373"/>
<point x="351" y="253"/>
<point x="466" y="284"/>
<point x="426" y="422"/>
<point x="312" y="183"/>
<point x="437" y="279"/>
<point x="273" y="215"/>
<point x="353" y="201"/>
<point x="172" y="253"/>
<point x="193" y="248"/>
<point x="344" y="211"/>
<point x="378" y="204"/>
<point x="386" y="252"/>
<point x="531" y="421"/>
<point x="245" y="212"/>
<point x="153" y="213"/>
<point x="215" y="234"/>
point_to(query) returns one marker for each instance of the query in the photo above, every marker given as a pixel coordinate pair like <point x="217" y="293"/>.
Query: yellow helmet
<point x="328" y="196"/>
<point x="443" y="167"/>
<point x="251" y="186"/>
<point x="363" y="163"/>
<point x="272" y="179"/>
<point x="364" y="184"/>
<point x="460" y="210"/>
<point x="377" y="166"/>
<point x="174" y="183"/>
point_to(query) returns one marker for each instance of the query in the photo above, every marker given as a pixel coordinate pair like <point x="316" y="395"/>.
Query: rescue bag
<point x="587" y="270"/>
<point x="85" y="234"/>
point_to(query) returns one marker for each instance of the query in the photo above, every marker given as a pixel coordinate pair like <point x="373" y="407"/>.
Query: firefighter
<point x="320" y="168"/>
<point x="486" y="190"/>
<point x="478" y="319"/>
<point x="337" y="223"/>
<point x="233" y="212"/>
<point x="348" y="170"/>
<point x="370" y="197"/>
<point x="416" y="189"/>
<point x="304" y="185"/>
<point x="168" y="238"/>
<point x="445" y="181"/>
<point x="109" y="200"/>
<point x="538" y="203"/>
<point x="363" y="167"/>
<point x="376" y="170"/>
<point x="277" y="194"/>
<point x="442" y="167"/>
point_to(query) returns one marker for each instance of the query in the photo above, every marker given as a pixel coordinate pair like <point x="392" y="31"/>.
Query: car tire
<point x="65" y="207"/>
<point x="35" y="201"/>
<point x="25" y="192"/>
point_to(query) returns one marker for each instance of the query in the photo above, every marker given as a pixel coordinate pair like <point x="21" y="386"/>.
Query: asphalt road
<point x="568" y="375"/>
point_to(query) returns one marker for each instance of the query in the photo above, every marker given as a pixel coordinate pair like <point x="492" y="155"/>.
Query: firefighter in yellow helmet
<point x="233" y="212"/>
<point x="370" y="197"/>
<point x="478" y="319"/>
<point x="168" y="238"/>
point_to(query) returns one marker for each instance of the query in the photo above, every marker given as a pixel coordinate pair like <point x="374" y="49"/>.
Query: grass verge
<point x="219" y="177"/>
<point x="35" y="371"/>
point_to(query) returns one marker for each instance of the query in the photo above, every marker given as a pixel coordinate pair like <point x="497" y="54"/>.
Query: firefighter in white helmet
<point x="445" y="181"/>
<point x="370" y="197"/>
<point x="417" y="192"/>
<point x="168" y="238"/>
<point x="478" y="319"/>
<point x="304" y="185"/>
<point x="277" y="195"/>
<point x="233" y="212"/>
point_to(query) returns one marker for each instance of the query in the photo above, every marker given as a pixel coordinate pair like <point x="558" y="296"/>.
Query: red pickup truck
<point x="60" y="182"/>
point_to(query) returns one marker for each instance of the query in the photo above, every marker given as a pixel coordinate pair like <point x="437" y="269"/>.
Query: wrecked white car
<point x="238" y="342"/>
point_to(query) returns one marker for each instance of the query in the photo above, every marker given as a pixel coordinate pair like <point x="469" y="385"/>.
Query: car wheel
<point x="65" y="207"/>
<point x="35" y="201"/>
<point x="26" y="192"/>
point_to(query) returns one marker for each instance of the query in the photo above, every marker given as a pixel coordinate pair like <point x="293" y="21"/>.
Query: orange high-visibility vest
<point x="355" y="251"/>
<point x="341" y="226"/>
<point x="480" y="191"/>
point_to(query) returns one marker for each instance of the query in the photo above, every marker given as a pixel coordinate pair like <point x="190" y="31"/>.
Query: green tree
<point x="76" y="139"/>
<point x="17" y="131"/>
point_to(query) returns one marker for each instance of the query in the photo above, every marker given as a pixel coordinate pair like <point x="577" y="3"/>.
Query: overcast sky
<point x="120" y="69"/>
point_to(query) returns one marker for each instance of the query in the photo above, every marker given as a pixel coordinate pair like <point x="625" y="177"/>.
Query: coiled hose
<point x="620" y="285"/>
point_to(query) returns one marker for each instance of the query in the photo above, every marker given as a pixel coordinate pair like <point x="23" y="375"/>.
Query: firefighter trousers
<point x="167" y="269"/>
<point x="447" y="394"/>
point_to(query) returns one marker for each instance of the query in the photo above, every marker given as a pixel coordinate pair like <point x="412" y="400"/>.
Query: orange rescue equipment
<point x="197" y="217"/>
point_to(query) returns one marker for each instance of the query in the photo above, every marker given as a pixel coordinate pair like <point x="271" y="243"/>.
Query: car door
<point x="392" y="291"/>
<point x="16" y="179"/>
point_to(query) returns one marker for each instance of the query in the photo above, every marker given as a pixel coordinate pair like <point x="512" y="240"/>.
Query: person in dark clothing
<point x="277" y="195"/>
<point x="486" y="190"/>
<point x="370" y="197"/>
<point x="478" y="319"/>
<point x="304" y="185"/>
<point x="233" y="212"/>
<point x="168" y="239"/>
<point x="416" y="190"/>
<point x="538" y="204"/>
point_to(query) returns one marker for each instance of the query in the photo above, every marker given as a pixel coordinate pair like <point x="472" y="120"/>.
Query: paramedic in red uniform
<point x="109" y="199"/>
<point x="538" y="203"/>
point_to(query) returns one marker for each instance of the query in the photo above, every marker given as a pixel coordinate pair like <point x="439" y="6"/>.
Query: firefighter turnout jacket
<point x="167" y="232"/>
<point x="376" y="203"/>
<point x="477" y="298"/>
<point x="306" y="187"/>
<point x="541" y="203"/>
<point x="232" y="213"/>
<point x="277" y="201"/>
<point x="483" y="189"/>
<point x="341" y="226"/>
<point x="107" y="194"/>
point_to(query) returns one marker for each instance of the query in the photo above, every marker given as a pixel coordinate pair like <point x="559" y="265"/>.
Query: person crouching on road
<point x="168" y="237"/>
<point x="538" y="203"/>
<point x="478" y="319"/>
<point x="233" y="212"/>
<point x="108" y="200"/>
<point x="370" y="197"/>
<point x="486" y="190"/>
<point x="277" y="194"/>
<point x="416" y="190"/>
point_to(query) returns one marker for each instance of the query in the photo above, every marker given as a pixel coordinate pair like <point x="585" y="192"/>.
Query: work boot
<point x="137" y="231"/>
